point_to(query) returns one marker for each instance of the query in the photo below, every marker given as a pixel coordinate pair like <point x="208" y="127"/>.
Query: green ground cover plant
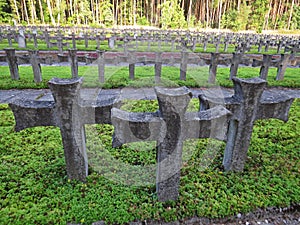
<point x="42" y="46"/>
<point x="117" y="77"/>
<point x="142" y="47"/>
<point x="34" y="188"/>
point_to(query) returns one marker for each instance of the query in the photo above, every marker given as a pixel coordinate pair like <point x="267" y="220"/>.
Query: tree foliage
<point x="172" y="16"/>
<point x="232" y="14"/>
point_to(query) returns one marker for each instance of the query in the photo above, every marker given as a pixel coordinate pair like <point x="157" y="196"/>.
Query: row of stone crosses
<point x="229" y="119"/>
<point x="184" y="58"/>
<point x="132" y="38"/>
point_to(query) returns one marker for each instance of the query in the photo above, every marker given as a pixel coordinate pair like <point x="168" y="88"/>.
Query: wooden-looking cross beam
<point x="249" y="103"/>
<point x="68" y="113"/>
<point x="169" y="127"/>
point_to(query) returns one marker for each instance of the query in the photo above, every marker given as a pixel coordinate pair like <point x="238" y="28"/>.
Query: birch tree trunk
<point x="50" y="12"/>
<point x="291" y="13"/>
<point x="41" y="11"/>
<point x="26" y="11"/>
<point x="17" y="11"/>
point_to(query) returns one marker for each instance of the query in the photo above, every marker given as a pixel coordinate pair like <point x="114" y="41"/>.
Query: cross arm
<point x="132" y="127"/>
<point x="99" y="113"/>
<point x="208" y="123"/>
<point x="33" y="113"/>
<point x="95" y="105"/>
<point x="274" y="105"/>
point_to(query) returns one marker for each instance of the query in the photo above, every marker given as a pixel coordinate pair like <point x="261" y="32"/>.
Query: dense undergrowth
<point x="34" y="188"/>
<point x="116" y="77"/>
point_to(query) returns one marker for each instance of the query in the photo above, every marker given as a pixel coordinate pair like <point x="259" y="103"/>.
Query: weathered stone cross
<point x="169" y="127"/>
<point x="249" y="103"/>
<point x="70" y="114"/>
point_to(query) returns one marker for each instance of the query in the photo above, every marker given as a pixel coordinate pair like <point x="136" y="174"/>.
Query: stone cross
<point x="86" y="40"/>
<point x="281" y="44"/>
<point x="111" y="42"/>
<point x="12" y="63"/>
<point x="249" y="103"/>
<point x="131" y="60"/>
<point x="73" y="40"/>
<point x="101" y="65"/>
<point x="34" y="34"/>
<point x="9" y="39"/>
<point x="69" y="113"/>
<point x="157" y="67"/>
<point x="21" y="39"/>
<point x="74" y="62"/>
<point x="213" y="66"/>
<point x="183" y="64"/>
<point x="36" y="66"/>
<point x="236" y="59"/>
<point x="60" y="43"/>
<point x="169" y="127"/>
<point x="264" y="69"/>
<point x="47" y="38"/>
<point x="282" y="65"/>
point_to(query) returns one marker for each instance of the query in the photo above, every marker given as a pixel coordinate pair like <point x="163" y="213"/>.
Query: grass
<point x="142" y="46"/>
<point x="34" y="188"/>
<point x="144" y="77"/>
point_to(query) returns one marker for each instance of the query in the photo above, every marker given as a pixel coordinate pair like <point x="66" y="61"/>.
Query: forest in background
<point x="222" y="14"/>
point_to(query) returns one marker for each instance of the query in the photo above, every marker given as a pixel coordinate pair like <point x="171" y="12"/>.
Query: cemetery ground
<point x="144" y="77"/>
<point x="34" y="187"/>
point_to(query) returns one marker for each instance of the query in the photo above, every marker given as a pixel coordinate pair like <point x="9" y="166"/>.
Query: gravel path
<point x="7" y="96"/>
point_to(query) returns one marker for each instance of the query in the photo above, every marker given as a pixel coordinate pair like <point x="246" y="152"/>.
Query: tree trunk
<point x="220" y="14"/>
<point x="58" y="6"/>
<point x="207" y="13"/>
<point x="41" y="12"/>
<point x="71" y="7"/>
<point x="26" y="11"/>
<point x="278" y="11"/>
<point x="190" y="13"/>
<point x="291" y="13"/>
<point x="152" y="12"/>
<point x="33" y="11"/>
<point x="50" y="12"/>
<point x="266" y="23"/>
<point x="134" y="12"/>
<point x="16" y="9"/>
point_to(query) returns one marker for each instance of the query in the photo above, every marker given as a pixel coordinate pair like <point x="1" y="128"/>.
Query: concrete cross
<point x="169" y="127"/>
<point x="70" y="114"/>
<point x="249" y="103"/>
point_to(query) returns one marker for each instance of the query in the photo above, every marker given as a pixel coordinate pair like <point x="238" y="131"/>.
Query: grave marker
<point x="157" y="67"/>
<point x="213" y="66"/>
<point x="9" y="39"/>
<point x="183" y="64"/>
<point x="34" y="34"/>
<point x="249" y="103"/>
<point x="131" y="60"/>
<point x="169" y="127"/>
<point x="264" y="69"/>
<point x="236" y="59"/>
<point x="21" y="39"/>
<point x="12" y="63"/>
<point x="74" y="62"/>
<point x="111" y="42"/>
<point x="36" y="66"/>
<point x="69" y="113"/>
<point x="282" y="65"/>
<point x="101" y="66"/>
